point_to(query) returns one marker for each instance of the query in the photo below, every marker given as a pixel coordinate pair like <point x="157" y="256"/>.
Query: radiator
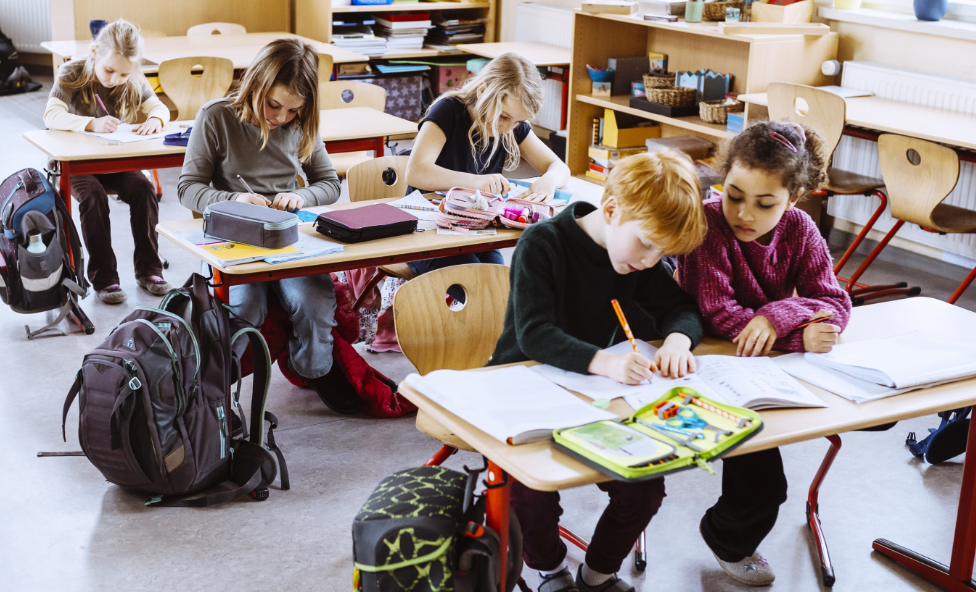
<point x="861" y="156"/>
<point x="27" y="22"/>
<point x="546" y="24"/>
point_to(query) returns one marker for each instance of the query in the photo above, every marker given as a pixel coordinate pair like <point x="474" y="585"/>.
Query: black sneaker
<point x="561" y="581"/>
<point x="614" y="584"/>
<point x="336" y="392"/>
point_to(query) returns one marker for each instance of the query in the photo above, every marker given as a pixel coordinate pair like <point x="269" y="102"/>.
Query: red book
<point x="396" y="17"/>
<point x="599" y="169"/>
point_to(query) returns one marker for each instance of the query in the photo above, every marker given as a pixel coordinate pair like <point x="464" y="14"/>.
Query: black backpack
<point x="37" y="282"/>
<point x="13" y="77"/>
<point x="155" y="404"/>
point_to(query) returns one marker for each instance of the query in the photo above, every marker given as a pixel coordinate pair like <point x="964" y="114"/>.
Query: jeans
<point x="310" y="303"/>
<point x="135" y="190"/>
<point x="425" y="265"/>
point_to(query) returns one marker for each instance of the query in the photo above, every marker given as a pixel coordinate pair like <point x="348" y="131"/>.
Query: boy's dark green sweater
<point x="559" y="310"/>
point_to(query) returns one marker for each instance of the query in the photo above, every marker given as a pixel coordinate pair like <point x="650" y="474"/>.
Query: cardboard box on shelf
<point x="622" y="130"/>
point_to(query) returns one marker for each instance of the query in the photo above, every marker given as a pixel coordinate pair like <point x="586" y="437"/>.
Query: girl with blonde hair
<point x="470" y="135"/>
<point x="97" y="94"/>
<point x="268" y="133"/>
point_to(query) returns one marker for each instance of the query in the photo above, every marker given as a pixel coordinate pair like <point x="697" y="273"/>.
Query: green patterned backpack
<point x="422" y="530"/>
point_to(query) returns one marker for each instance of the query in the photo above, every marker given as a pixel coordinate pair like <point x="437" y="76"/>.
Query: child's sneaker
<point x="561" y="581"/>
<point x="752" y="571"/>
<point x="614" y="584"/>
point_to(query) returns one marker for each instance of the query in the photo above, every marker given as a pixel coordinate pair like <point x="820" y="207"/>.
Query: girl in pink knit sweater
<point x="762" y="271"/>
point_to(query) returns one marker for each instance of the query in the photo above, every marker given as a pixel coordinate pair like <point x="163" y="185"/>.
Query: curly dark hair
<point x="757" y="148"/>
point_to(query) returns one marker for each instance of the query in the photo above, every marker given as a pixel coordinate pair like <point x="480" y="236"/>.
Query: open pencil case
<point x="680" y="430"/>
<point x="469" y="209"/>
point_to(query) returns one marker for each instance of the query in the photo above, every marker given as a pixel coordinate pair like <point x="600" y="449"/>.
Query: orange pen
<point x="817" y="320"/>
<point x="625" y="325"/>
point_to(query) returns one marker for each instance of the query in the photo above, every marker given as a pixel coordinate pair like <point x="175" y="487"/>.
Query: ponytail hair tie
<point x="782" y="140"/>
<point x="799" y="129"/>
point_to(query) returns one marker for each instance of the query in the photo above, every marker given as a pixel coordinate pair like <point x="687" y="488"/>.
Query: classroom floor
<point x="63" y="527"/>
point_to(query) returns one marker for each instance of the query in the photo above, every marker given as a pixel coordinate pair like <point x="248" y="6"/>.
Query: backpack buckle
<point x="135" y="384"/>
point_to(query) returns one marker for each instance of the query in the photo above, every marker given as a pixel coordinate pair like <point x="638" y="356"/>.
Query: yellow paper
<point x="235" y="251"/>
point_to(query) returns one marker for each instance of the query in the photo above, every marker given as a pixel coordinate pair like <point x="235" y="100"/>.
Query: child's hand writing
<point x="253" y="198"/>
<point x="150" y="126"/>
<point x="494" y="184"/>
<point x="289" y="202"/>
<point x="819" y="338"/>
<point x="756" y="339"/>
<point x="103" y="125"/>
<point x="674" y="356"/>
<point x="628" y="368"/>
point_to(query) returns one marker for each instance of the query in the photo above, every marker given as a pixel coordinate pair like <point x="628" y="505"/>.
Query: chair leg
<point x="863" y="234"/>
<point x="159" y="186"/>
<point x="866" y="293"/>
<point x="440" y="456"/>
<point x="813" y="512"/>
<point x="573" y="538"/>
<point x="640" y="552"/>
<point x="373" y="282"/>
<point x="962" y="287"/>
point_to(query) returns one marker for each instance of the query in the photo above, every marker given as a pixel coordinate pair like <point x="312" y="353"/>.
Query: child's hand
<point x="253" y="198"/>
<point x="819" y="338"/>
<point x="150" y="126"/>
<point x="756" y="339"/>
<point x="104" y="125"/>
<point x="540" y="191"/>
<point x="674" y="357"/>
<point x="494" y="184"/>
<point x="289" y="202"/>
<point x="628" y="368"/>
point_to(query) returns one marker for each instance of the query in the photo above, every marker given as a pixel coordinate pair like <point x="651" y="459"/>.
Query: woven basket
<point x="652" y="81"/>
<point x="715" y="11"/>
<point x="672" y="97"/>
<point x="718" y="111"/>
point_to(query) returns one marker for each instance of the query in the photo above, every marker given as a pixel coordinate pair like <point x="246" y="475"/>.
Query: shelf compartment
<point x="693" y="123"/>
<point x="412" y="7"/>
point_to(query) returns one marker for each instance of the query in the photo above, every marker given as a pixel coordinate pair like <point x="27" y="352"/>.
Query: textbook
<point x="513" y="405"/>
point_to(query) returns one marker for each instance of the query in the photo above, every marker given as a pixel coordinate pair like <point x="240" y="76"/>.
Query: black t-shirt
<point x="454" y="120"/>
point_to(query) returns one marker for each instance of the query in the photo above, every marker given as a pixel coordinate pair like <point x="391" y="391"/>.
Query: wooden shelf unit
<point x="412" y="7"/>
<point x="753" y="60"/>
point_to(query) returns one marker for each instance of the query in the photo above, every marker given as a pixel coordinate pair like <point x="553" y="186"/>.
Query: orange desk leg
<point x="499" y="503"/>
<point x="813" y="512"/>
<point x="221" y="290"/>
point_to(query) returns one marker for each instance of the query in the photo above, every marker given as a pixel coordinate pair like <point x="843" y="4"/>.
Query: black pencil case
<point x="366" y="223"/>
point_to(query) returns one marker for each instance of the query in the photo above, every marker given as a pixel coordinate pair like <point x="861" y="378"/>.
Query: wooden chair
<point x="216" y="29"/>
<point x="343" y="94"/>
<point x="826" y="112"/>
<point x="919" y="176"/>
<point x="190" y="91"/>
<point x="378" y="178"/>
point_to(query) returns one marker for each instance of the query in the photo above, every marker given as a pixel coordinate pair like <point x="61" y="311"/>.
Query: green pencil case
<point x="680" y="430"/>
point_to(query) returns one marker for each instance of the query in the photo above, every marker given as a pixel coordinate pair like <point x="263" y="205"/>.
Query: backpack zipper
<point x="223" y="428"/>
<point x="180" y="399"/>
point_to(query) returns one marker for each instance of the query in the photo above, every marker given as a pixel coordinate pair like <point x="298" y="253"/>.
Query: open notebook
<point x="513" y="405"/>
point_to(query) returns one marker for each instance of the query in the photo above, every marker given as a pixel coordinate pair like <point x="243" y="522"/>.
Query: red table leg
<point x="221" y="289"/>
<point x="958" y="576"/>
<point x="380" y="148"/>
<point x="499" y="504"/>
<point x="66" y="185"/>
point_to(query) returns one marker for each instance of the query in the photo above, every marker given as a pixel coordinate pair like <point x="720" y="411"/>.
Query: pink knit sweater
<point x="734" y="281"/>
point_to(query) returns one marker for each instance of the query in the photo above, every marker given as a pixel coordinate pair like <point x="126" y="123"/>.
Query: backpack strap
<point x="72" y="393"/>
<point x="72" y="242"/>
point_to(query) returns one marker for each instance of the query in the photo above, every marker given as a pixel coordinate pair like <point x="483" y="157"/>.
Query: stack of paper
<point x="402" y="35"/>
<point x="361" y="40"/>
<point x="419" y="207"/>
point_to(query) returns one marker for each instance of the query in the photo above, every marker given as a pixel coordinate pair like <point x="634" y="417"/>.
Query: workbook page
<point x="125" y="134"/>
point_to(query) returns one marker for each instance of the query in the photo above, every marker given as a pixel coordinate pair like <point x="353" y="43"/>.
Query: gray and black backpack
<point x="155" y="404"/>
<point x="49" y="280"/>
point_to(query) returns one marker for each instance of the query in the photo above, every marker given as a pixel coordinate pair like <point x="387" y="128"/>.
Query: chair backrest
<point x="342" y="94"/>
<point x="325" y="72"/>
<point x="378" y="178"/>
<point x="433" y="336"/>
<point x="216" y="29"/>
<point x="190" y="91"/>
<point x="824" y="111"/>
<point x="916" y="182"/>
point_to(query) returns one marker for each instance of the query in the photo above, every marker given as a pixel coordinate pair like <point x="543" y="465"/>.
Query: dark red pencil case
<point x="356" y="225"/>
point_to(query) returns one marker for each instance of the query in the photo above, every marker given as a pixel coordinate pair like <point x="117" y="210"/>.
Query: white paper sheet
<point x="485" y="232"/>
<point x="124" y="134"/>
<point x="419" y="207"/>
<point x="310" y="246"/>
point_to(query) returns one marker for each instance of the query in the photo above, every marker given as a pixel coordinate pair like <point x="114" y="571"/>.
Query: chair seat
<point x="427" y="425"/>
<point x="398" y="270"/>
<point x="343" y="161"/>
<point x="954" y="219"/>
<point x="840" y="181"/>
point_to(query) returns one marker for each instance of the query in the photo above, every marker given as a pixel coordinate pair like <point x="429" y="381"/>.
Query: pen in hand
<point x="99" y="99"/>
<point x="251" y="191"/>
<point x="816" y="320"/>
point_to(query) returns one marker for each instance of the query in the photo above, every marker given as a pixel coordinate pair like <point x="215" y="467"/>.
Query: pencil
<point x="421" y="208"/>
<point x="814" y="321"/>
<point x="246" y="186"/>
<point x="99" y="99"/>
<point x="623" y="323"/>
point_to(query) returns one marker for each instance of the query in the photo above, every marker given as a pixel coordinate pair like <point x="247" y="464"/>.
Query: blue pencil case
<point x="178" y="139"/>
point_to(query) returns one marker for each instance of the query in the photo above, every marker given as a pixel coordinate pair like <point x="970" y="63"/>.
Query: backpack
<point x="423" y="530"/>
<point x="155" y="404"/>
<point x="37" y="282"/>
<point x="944" y="442"/>
<point x="13" y="77"/>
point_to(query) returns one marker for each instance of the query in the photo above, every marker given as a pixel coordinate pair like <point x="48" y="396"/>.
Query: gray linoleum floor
<point x="63" y="527"/>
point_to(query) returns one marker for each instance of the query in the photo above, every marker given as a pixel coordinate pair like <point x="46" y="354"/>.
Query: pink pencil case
<point x="460" y="210"/>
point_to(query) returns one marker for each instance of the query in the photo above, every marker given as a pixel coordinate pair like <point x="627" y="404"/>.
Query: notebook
<point x="513" y="405"/>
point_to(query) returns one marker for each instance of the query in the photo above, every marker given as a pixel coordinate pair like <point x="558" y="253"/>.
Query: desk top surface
<point x="414" y="243"/>
<point x="540" y="54"/>
<point x="334" y="125"/>
<point x="542" y="467"/>
<point x="240" y="49"/>
<point x="898" y="117"/>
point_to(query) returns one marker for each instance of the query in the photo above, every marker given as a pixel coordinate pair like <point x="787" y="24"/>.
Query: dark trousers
<point x="427" y="265"/>
<point x="753" y="488"/>
<point x="632" y="505"/>
<point x="135" y="190"/>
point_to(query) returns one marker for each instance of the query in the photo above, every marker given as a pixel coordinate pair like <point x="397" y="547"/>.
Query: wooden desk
<point x="540" y="54"/>
<point x="342" y="130"/>
<point x="397" y="249"/>
<point x="897" y="117"/>
<point x="541" y="467"/>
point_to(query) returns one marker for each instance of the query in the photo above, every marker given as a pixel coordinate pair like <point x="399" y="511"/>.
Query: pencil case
<point x="249" y="224"/>
<point x="364" y="224"/>
<point x="526" y="213"/>
<point x="180" y="139"/>
<point x="680" y="430"/>
<point x="468" y="209"/>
